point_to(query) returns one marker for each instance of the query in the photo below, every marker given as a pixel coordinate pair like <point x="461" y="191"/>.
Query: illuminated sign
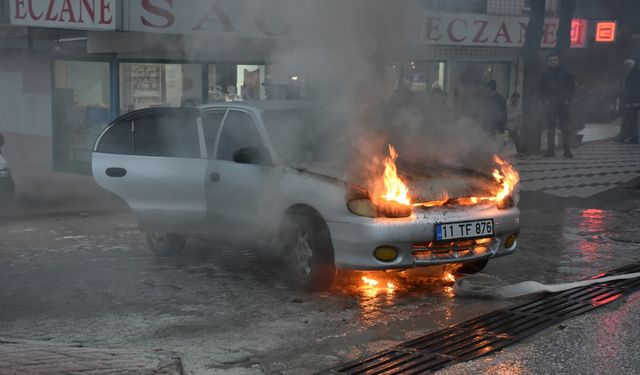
<point x="606" y="31"/>
<point x="578" y="33"/>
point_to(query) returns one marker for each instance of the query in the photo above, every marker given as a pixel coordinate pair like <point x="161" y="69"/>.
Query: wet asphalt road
<point x="226" y="308"/>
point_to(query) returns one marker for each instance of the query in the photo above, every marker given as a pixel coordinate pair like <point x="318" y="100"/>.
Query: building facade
<point x="70" y="67"/>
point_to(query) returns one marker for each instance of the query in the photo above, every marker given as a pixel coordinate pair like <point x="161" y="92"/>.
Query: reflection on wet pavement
<point x="592" y="227"/>
<point x="378" y="292"/>
<point x="586" y="233"/>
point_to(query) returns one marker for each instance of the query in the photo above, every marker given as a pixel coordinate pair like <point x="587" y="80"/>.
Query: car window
<point x="117" y="139"/>
<point x="211" y="122"/>
<point x="167" y="134"/>
<point x="239" y="131"/>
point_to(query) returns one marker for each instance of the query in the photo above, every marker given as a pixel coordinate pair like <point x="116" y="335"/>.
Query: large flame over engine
<point x="391" y="194"/>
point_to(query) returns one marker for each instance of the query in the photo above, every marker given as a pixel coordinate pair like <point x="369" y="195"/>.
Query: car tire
<point x="308" y="250"/>
<point x="469" y="268"/>
<point x="166" y="244"/>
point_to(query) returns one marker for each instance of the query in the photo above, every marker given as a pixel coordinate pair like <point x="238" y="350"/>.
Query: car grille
<point x="438" y="251"/>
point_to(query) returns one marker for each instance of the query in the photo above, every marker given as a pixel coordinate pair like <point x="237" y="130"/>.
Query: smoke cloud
<point x="340" y="50"/>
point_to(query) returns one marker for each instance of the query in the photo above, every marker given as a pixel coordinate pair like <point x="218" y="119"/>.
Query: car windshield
<point x="297" y="135"/>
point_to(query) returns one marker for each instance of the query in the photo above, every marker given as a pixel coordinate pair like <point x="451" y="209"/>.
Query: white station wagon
<point x="224" y="170"/>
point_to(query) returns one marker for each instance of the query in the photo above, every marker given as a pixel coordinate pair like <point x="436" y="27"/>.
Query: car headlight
<point x="359" y="203"/>
<point x="362" y="207"/>
<point x="507" y="202"/>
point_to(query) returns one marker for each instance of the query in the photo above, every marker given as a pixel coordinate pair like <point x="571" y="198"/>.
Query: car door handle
<point x="214" y="177"/>
<point x="116" y="172"/>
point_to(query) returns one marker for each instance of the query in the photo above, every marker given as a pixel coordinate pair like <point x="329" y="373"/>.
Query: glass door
<point x="81" y="108"/>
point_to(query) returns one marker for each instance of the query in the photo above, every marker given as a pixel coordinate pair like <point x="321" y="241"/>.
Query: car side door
<point x="237" y="175"/>
<point x="156" y="161"/>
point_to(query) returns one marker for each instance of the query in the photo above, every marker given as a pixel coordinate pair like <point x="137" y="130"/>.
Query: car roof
<point x="262" y="105"/>
<point x="266" y="105"/>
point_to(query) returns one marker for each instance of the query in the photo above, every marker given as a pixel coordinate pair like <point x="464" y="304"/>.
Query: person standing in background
<point x="629" y="103"/>
<point x="514" y="119"/>
<point x="495" y="110"/>
<point x="556" y="90"/>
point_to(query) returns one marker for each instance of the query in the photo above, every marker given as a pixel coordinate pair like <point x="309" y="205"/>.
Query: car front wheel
<point x="308" y="249"/>
<point x="166" y="244"/>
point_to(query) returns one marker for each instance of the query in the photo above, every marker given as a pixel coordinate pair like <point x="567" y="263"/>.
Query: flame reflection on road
<point x="378" y="292"/>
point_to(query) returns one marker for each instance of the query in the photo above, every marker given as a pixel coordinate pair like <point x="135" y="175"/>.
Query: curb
<point x="43" y="357"/>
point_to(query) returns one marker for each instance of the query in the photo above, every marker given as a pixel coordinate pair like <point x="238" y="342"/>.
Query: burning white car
<point x="222" y="170"/>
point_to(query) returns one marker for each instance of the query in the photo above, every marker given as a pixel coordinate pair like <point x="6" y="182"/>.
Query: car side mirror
<point x="248" y="155"/>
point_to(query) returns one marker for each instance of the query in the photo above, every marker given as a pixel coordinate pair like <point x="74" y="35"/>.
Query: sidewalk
<point x="19" y="357"/>
<point x="598" y="165"/>
<point x="23" y="207"/>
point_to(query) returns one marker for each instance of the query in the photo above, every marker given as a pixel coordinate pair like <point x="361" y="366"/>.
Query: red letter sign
<point x="606" y="31"/>
<point x="578" y="33"/>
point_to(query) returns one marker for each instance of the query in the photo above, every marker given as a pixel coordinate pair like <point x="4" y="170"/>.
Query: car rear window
<point x="166" y="134"/>
<point x="118" y="139"/>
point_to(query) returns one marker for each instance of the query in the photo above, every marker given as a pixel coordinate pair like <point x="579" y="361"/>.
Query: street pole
<point x="531" y="120"/>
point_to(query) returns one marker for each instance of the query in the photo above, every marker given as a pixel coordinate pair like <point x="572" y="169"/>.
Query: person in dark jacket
<point x="556" y="90"/>
<point x="495" y="110"/>
<point x="630" y="103"/>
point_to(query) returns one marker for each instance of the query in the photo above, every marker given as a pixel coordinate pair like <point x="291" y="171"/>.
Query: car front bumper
<point x="355" y="238"/>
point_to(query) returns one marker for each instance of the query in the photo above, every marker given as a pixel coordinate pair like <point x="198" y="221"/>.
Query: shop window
<point x="229" y="82"/>
<point x="250" y="85"/>
<point x="145" y="85"/>
<point x="239" y="131"/>
<point x="470" y="79"/>
<point x="418" y="76"/>
<point x="166" y="134"/>
<point x="81" y="109"/>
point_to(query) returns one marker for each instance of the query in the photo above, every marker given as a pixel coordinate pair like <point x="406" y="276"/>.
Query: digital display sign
<point x="606" y="32"/>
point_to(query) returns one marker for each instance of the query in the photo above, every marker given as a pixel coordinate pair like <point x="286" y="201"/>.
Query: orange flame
<point x="373" y="283"/>
<point x="449" y="277"/>
<point x="507" y="177"/>
<point x="395" y="189"/>
<point x="370" y="282"/>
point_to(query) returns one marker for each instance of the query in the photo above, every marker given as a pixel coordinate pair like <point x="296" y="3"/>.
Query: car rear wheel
<point x="166" y="244"/>
<point x="308" y="250"/>
<point x="470" y="268"/>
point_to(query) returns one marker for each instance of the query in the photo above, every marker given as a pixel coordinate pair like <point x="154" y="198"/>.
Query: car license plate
<point x="464" y="229"/>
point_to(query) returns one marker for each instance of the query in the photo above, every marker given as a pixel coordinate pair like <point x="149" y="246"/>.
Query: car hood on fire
<point x="425" y="182"/>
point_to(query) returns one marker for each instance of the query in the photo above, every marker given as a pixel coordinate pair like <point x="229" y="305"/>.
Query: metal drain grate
<point x="490" y="332"/>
